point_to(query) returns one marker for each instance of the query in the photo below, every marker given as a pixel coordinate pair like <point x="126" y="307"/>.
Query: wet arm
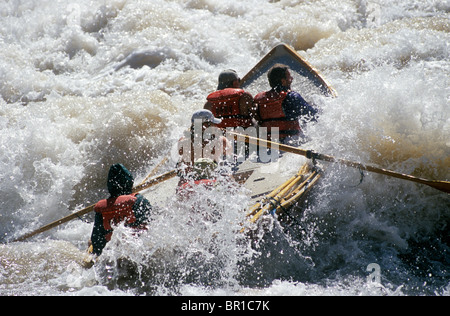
<point x="98" y="238"/>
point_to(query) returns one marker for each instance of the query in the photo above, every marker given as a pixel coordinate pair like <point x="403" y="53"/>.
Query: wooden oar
<point x="276" y="197"/>
<point x="275" y="192"/>
<point x="141" y="187"/>
<point x="443" y="186"/>
<point x="285" y="196"/>
<point x="155" y="170"/>
<point x="281" y="203"/>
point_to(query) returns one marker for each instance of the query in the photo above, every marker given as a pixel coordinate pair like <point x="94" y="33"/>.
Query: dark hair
<point x="276" y="73"/>
<point x="120" y="180"/>
<point x="226" y="79"/>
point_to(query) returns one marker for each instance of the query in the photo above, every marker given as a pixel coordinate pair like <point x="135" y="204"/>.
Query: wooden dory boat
<point x="271" y="192"/>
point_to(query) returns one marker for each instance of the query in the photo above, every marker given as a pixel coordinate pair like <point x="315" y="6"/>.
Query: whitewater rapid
<point x="84" y="85"/>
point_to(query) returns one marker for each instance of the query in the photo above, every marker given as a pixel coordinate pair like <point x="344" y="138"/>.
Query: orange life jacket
<point x="116" y="210"/>
<point x="185" y="187"/>
<point x="270" y="107"/>
<point x="205" y="182"/>
<point x="225" y="105"/>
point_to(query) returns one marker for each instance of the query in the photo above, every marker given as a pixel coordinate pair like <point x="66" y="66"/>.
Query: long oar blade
<point x="443" y="186"/>
<point x="149" y="183"/>
<point x="56" y="223"/>
<point x="145" y="185"/>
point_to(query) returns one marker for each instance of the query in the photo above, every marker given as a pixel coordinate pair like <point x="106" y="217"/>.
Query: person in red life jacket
<point x="121" y="207"/>
<point x="283" y="108"/>
<point x="204" y="140"/>
<point x="230" y="103"/>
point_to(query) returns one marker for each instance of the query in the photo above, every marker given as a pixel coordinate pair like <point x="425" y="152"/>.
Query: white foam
<point x="87" y="84"/>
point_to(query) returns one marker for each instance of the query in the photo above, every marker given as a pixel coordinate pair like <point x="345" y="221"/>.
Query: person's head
<point x="120" y="180"/>
<point x="228" y="79"/>
<point x="279" y="75"/>
<point x="204" y="168"/>
<point x="205" y="117"/>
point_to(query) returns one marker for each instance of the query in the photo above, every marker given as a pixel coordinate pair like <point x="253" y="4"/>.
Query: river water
<point x="84" y="85"/>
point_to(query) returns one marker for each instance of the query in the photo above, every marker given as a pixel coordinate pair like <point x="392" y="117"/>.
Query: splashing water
<point x="88" y="84"/>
